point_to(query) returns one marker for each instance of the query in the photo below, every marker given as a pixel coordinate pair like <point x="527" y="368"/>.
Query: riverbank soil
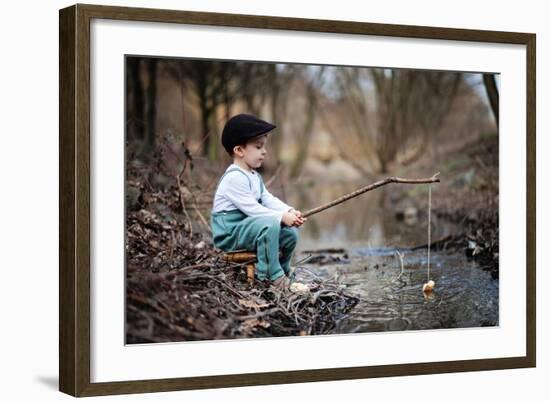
<point x="179" y="288"/>
<point x="468" y="196"/>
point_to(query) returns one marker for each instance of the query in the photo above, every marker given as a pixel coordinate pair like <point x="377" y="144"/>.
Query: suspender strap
<point x="249" y="181"/>
<point x="261" y="187"/>
<point x="234" y="169"/>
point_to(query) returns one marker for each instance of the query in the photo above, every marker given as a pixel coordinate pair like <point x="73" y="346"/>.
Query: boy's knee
<point x="269" y="222"/>
<point x="292" y="233"/>
<point x="266" y="226"/>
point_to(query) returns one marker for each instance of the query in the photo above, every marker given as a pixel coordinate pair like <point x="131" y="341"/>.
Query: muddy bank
<point x="179" y="288"/>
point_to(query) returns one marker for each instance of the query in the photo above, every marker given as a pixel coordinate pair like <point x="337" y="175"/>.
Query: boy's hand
<point x="299" y="219"/>
<point x="289" y="219"/>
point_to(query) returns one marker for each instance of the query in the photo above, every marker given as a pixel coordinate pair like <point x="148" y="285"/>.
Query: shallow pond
<point x="355" y="244"/>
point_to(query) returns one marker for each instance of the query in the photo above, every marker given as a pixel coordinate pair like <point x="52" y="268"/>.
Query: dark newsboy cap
<point x="242" y="127"/>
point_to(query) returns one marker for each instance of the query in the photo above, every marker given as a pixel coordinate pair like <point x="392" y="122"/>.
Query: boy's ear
<point x="238" y="150"/>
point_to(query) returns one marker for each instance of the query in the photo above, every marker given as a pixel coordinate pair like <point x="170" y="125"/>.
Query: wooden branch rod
<point x="370" y="187"/>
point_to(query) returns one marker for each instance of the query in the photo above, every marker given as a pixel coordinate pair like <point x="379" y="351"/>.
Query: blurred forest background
<point x="338" y="129"/>
<point x="335" y="125"/>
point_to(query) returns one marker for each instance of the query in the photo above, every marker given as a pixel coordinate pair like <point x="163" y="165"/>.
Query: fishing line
<point x="429" y="225"/>
<point x="429" y="286"/>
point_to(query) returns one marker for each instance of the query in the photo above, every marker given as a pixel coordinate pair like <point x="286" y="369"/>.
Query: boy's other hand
<point x="300" y="220"/>
<point x="289" y="219"/>
<point x="295" y="219"/>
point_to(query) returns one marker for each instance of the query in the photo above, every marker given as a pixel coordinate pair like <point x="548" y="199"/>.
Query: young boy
<point x="245" y="215"/>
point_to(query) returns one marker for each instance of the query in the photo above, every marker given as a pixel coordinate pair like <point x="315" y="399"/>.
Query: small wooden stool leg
<point x="250" y="272"/>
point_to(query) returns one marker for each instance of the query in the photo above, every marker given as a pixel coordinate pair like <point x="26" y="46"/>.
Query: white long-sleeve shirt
<point x="236" y="191"/>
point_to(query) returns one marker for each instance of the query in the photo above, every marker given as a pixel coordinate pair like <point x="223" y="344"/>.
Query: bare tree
<point x="305" y="132"/>
<point x="151" y="104"/>
<point x="430" y="105"/>
<point x="391" y="110"/>
<point x="135" y="100"/>
<point x="208" y="83"/>
<point x="218" y="84"/>
<point x="280" y="79"/>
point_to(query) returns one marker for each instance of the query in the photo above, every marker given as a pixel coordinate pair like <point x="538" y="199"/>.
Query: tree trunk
<point x="136" y="118"/>
<point x="492" y="92"/>
<point x="150" y="128"/>
<point x="311" y="107"/>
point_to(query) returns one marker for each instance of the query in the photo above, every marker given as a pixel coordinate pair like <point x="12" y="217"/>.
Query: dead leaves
<point x="249" y="325"/>
<point x="254" y="303"/>
<point x="178" y="288"/>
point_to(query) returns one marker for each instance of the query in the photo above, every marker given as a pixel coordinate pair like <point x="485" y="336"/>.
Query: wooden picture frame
<point x="75" y="200"/>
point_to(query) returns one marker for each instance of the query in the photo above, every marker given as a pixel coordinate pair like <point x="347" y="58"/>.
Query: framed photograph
<point x="250" y="200"/>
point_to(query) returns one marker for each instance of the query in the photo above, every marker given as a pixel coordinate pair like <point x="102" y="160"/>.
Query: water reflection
<point x="465" y="295"/>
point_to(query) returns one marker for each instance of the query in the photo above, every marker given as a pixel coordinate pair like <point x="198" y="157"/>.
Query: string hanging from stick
<point x="429" y="225"/>
<point x="429" y="286"/>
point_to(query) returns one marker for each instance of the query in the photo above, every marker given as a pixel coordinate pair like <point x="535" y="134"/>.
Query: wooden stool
<point x="246" y="257"/>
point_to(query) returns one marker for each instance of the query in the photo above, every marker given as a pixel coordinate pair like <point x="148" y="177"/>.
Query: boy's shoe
<point x="282" y="283"/>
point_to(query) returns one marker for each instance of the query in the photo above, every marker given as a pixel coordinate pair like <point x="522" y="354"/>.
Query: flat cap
<point x="242" y="127"/>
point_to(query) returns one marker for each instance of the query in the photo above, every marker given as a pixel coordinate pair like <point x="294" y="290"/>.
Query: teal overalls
<point x="233" y="230"/>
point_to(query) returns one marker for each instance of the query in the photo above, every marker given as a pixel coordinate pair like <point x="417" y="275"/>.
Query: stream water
<point x="355" y="243"/>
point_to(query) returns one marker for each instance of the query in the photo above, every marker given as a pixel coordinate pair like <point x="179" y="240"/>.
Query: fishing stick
<point x="370" y="187"/>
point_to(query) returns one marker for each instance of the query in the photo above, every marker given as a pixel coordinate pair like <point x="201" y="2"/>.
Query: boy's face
<point x="254" y="152"/>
